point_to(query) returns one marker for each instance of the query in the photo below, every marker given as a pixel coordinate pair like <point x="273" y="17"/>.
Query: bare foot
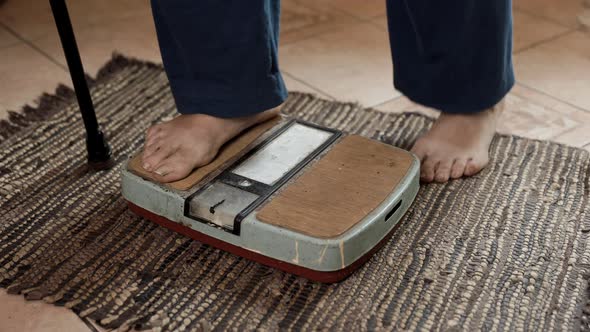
<point x="174" y="148"/>
<point x="457" y="145"/>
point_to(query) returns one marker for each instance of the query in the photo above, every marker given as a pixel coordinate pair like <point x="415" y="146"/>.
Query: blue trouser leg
<point x="221" y="55"/>
<point x="455" y="56"/>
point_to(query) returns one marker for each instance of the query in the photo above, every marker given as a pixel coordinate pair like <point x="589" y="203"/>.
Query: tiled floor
<point x="337" y="49"/>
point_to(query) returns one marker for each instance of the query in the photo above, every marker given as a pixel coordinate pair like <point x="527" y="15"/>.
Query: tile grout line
<point x="378" y="26"/>
<point x="344" y="12"/>
<point x="579" y="108"/>
<point x="16" y="42"/>
<point x="333" y="98"/>
<point x="538" y="16"/>
<point x="331" y="30"/>
<point x="387" y="101"/>
<point x="293" y="77"/>
<point x="88" y="323"/>
<point x="554" y="137"/>
<point x="33" y="46"/>
<point x="540" y="104"/>
<point x="546" y="95"/>
<point x="357" y="20"/>
<point x="545" y="41"/>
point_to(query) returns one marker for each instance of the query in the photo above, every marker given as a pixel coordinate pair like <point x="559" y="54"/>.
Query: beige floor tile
<point x="528" y="113"/>
<point x="7" y="38"/>
<point x="16" y="314"/>
<point x="26" y="74"/>
<point x="563" y="11"/>
<point x="560" y="68"/>
<point x="530" y="29"/>
<point x="29" y="18"/>
<point x="133" y="36"/>
<point x="3" y="112"/>
<point x="381" y="21"/>
<point x="32" y="19"/>
<point x="579" y="136"/>
<point x="584" y="19"/>
<point x="351" y="64"/>
<point x="301" y="19"/>
<point x="363" y="9"/>
<point x="532" y="114"/>
<point x="297" y="86"/>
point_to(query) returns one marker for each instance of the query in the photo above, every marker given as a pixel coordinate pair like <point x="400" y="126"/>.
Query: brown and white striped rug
<point x="507" y="248"/>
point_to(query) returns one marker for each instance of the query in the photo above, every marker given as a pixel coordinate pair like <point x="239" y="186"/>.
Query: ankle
<point x="490" y="113"/>
<point x="248" y="121"/>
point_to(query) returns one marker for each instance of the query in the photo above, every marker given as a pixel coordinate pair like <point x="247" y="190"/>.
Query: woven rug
<point x="506" y="248"/>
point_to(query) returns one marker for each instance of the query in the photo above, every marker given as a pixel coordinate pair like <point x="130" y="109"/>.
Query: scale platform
<point x="306" y="199"/>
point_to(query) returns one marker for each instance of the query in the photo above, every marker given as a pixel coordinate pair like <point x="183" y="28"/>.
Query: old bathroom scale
<point x="306" y="199"/>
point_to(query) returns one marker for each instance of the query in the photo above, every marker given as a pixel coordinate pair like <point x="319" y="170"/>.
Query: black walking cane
<point x="99" y="152"/>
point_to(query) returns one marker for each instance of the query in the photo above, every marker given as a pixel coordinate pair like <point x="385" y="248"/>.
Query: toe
<point x="473" y="166"/>
<point x="443" y="171"/>
<point x="458" y="168"/>
<point x="428" y="167"/>
<point x="173" y="169"/>
<point x="151" y="155"/>
<point x="419" y="150"/>
<point x="149" y="150"/>
<point x="155" y="160"/>
<point x="164" y="172"/>
<point x="153" y="130"/>
<point x="155" y="134"/>
<point x="153" y="139"/>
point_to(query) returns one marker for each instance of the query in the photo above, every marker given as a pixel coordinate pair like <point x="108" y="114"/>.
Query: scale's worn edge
<point x="316" y="275"/>
<point x="347" y="252"/>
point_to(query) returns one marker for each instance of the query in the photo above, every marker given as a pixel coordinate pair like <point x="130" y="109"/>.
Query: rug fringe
<point x="47" y="106"/>
<point x="119" y="61"/>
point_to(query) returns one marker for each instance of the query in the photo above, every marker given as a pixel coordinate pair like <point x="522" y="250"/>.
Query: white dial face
<point x="273" y="161"/>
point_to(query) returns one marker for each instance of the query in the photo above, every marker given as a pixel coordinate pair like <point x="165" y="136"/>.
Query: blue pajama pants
<point x="221" y="56"/>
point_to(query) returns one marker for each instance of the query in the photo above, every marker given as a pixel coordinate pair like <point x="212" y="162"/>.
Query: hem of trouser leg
<point x="234" y="108"/>
<point x="457" y="109"/>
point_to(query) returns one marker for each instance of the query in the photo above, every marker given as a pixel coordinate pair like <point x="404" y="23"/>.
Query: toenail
<point x="146" y="166"/>
<point x="160" y="172"/>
